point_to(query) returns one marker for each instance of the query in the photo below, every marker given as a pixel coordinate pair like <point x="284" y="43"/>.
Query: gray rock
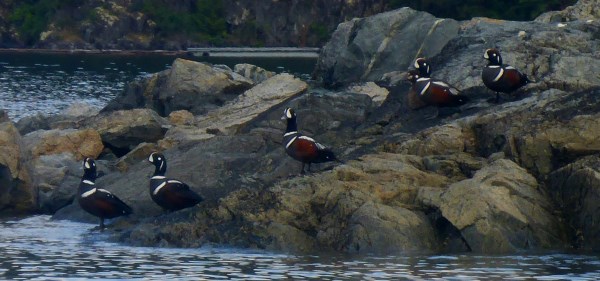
<point x="187" y="85"/>
<point x="238" y="113"/>
<point x="575" y="189"/>
<point x="17" y="194"/>
<point x="80" y="143"/>
<point x="583" y="10"/>
<point x="125" y="129"/>
<point x="365" y="49"/>
<point x="56" y="177"/>
<point x="502" y="210"/>
<point x="253" y="72"/>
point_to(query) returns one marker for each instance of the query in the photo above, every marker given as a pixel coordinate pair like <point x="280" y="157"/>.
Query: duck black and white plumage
<point x="423" y="67"/>
<point x="500" y="77"/>
<point x="170" y="194"/>
<point x="435" y="92"/>
<point x="303" y="148"/>
<point x="96" y="201"/>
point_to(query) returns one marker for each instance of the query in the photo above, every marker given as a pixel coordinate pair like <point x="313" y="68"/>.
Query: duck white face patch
<point x="288" y="114"/>
<point x="86" y="164"/>
<point x="485" y="55"/>
<point x="151" y="158"/>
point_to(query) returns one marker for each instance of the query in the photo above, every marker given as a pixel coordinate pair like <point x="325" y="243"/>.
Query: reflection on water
<point x="49" y="83"/>
<point x="37" y="248"/>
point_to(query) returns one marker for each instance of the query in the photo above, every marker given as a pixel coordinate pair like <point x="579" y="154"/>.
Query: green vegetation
<point x="31" y="17"/>
<point x="202" y="20"/>
<point x="510" y="9"/>
<point x="320" y="31"/>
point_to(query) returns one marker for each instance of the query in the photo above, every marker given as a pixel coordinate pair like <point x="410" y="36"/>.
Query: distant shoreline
<point x="298" y="52"/>
<point x="94" y="52"/>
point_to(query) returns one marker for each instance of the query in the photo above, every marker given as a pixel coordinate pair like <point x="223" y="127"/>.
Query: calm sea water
<point x="38" y="248"/>
<point x="48" y="83"/>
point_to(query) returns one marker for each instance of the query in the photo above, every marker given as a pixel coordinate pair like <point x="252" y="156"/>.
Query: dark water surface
<point x="37" y="248"/>
<point x="32" y="83"/>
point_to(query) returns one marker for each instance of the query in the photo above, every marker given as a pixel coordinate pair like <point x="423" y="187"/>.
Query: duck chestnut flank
<point x="435" y="92"/>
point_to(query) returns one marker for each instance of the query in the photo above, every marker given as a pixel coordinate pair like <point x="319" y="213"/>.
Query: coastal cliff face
<point x="175" y="25"/>
<point x="521" y="175"/>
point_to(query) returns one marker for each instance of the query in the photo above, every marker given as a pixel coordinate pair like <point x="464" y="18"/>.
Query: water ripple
<point x="49" y="83"/>
<point x="38" y="248"/>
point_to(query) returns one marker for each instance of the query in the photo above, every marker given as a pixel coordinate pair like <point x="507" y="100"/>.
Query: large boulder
<point x="542" y="132"/>
<point x="81" y="143"/>
<point x="262" y="97"/>
<point x="576" y="189"/>
<point x="253" y="72"/>
<point x="123" y="130"/>
<point x="366" y="48"/>
<point x="16" y="190"/>
<point x="187" y="85"/>
<point x="236" y="114"/>
<point x="54" y="163"/>
<point x="502" y="210"/>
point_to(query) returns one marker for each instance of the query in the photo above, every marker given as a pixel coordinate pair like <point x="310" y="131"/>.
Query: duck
<point x="434" y="92"/>
<point x="170" y="194"/>
<point x="97" y="201"/>
<point x="500" y="77"/>
<point x="303" y="148"/>
<point x="423" y="67"/>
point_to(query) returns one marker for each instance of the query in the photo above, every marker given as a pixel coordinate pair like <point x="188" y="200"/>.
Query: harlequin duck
<point x="500" y="77"/>
<point x="96" y="201"/>
<point x="170" y="194"/>
<point x="303" y="148"/>
<point x="435" y="92"/>
<point x="412" y="98"/>
<point x="423" y="66"/>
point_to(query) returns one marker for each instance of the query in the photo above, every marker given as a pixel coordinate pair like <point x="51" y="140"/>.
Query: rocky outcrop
<point x="125" y="129"/>
<point x="485" y="178"/>
<point x="127" y="25"/>
<point x="501" y="210"/>
<point x="253" y="72"/>
<point x="583" y="10"/>
<point x="80" y="143"/>
<point x="16" y="192"/>
<point x="455" y="50"/>
<point x="575" y="189"/>
<point x="188" y="85"/>
<point x="365" y="49"/>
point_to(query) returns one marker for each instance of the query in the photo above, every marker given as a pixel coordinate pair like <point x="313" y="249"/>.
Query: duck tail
<point x="325" y="155"/>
